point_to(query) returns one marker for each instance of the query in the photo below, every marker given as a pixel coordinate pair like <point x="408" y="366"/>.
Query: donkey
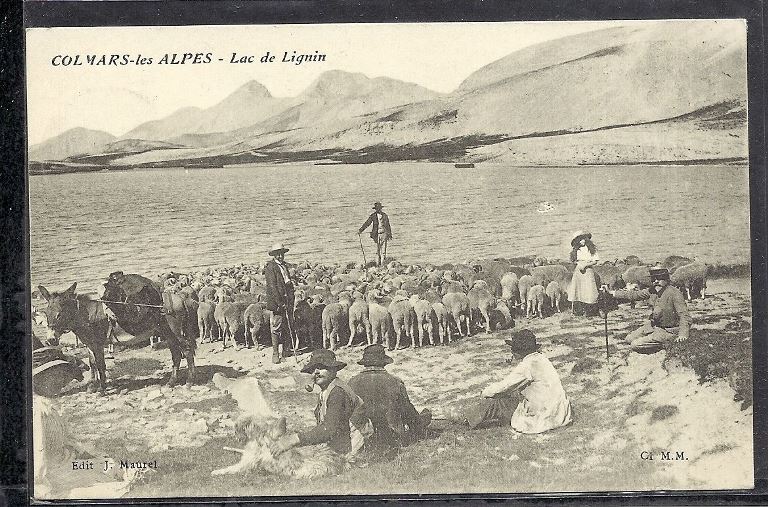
<point x="86" y="318"/>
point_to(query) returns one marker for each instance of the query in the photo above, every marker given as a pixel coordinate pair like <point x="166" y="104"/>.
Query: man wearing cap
<point x="279" y="298"/>
<point x="395" y="420"/>
<point x="530" y="399"/>
<point x="381" y="232"/>
<point x="339" y="412"/>
<point x="669" y="320"/>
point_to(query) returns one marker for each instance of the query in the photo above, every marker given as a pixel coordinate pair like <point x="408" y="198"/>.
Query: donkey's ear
<point x="71" y="290"/>
<point x="44" y="292"/>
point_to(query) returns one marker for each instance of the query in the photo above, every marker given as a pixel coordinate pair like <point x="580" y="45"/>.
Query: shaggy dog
<point x="259" y="426"/>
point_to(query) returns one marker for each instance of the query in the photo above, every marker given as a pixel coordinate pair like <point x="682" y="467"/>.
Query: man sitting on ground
<point x="341" y="424"/>
<point x="530" y="399"/>
<point x="669" y="321"/>
<point x="395" y="421"/>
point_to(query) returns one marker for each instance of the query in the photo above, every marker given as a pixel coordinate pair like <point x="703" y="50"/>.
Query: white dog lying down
<point x="260" y="426"/>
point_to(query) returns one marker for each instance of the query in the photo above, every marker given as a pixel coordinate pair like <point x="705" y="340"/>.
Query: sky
<point x="115" y="99"/>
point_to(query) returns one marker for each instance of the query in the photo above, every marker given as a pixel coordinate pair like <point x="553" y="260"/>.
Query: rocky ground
<point x="623" y="406"/>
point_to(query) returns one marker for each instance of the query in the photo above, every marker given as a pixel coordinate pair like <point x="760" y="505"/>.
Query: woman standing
<point x="583" y="289"/>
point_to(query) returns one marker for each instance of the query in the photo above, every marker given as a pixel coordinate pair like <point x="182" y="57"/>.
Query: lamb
<point x="422" y="309"/>
<point x="256" y="323"/>
<point x="206" y="321"/>
<point x="555" y="294"/>
<point x="335" y="321"/>
<point x="438" y="320"/>
<point x="691" y="279"/>
<point x="358" y="316"/>
<point x="457" y="305"/>
<point x="403" y="319"/>
<point x="261" y="426"/>
<point x="482" y="300"/>
<point x="535" y="301"/>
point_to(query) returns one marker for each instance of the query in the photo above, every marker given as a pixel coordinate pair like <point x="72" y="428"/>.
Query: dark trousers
<point x="490" y="412"/>
<point x="280" y="330"/>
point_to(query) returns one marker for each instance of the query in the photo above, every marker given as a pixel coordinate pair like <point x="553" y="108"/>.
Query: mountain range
<point x="656" y="93"/>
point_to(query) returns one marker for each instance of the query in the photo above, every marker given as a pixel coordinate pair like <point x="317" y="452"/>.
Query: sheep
<point x="457" y="305"/>
<point x="509" y="288"/>
<point x="229" y="318"/>
<point x="207" y="293"/>
<point x="501" y="317"/>
<point x="535" y="301"/>
<point x="637" y="275"/>
<point x="335" y="319"/>
<point x="675" y="261"/>
<point x="381" y="323"/>
<point x="610" y="275"/>
<point x="422" y="309"/>
<point x="542" y="275"/>
<point x="691" y="279"/>
<point x="523" y="286"/>
<point x="482" y="300"/>
<point x="358" y="316"/>
<point x="438" y="320"/>
<point x="403" y="319"/>
<point x="555" y="294"/>
<point x="206" y="320"/>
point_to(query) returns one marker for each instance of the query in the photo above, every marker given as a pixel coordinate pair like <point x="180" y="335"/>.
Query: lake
<point x="86" y="225"/>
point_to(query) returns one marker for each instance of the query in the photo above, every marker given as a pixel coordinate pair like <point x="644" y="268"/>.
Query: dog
<point x="260" y="426"/>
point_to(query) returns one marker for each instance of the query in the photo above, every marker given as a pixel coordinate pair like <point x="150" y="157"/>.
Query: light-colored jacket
<point x="544" y="405"/>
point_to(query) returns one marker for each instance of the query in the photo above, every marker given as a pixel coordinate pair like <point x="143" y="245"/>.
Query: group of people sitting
<point x="372" y="417"/>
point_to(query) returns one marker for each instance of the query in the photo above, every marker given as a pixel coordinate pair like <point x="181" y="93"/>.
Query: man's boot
<point x="275" y="350"/>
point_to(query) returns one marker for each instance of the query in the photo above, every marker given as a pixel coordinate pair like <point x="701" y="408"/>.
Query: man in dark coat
<point x="279" y="298"/>
<point x="381" y="232"/>
<point x="395" y="420"/>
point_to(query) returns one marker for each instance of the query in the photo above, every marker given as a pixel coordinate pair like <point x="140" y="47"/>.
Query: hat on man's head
<point x="659" y="273"/>
<point x="578" y="236"/>
<point x="322" y="358"/>
<point x="377" y="205"/>
<point x="276" y="249"/>
<point x="375" y="355"/>
<point x="523" y="342"/>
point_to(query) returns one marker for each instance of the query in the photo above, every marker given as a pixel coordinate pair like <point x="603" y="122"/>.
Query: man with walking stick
<point x="279" y="299"/>
<point x="381" y="232"/>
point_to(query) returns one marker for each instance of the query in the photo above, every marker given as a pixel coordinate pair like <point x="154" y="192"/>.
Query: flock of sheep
<point x="401" y="305"/>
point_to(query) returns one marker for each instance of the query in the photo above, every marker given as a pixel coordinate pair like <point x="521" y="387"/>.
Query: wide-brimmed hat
<point x="375" y="355"/>
<point x="323" y="358"/>
<point x="659" y="273"/>
<point x="578" y="235"/>
<point x="523" y="342"/>
<point x="277" y="248"/>
<point x="377" y="205"/>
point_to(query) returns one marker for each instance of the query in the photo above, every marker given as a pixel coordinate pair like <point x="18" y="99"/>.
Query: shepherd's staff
<point x="294" y="338"/>
<point x="365" y="262"/>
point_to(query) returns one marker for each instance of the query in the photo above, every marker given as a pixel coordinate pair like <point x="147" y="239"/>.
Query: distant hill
<point x="75" y="141"/>
<point x="247" y="105"/>
<point x="652" y="93"/>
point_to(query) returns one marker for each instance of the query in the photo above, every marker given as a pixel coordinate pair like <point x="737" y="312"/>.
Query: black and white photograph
<point x="389" y="259"/>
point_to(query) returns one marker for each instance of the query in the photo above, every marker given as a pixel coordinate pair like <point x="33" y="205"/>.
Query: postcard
<point x="390" y="259"/>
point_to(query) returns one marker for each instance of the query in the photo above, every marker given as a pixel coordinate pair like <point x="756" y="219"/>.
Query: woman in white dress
<point x="582" y="292"/>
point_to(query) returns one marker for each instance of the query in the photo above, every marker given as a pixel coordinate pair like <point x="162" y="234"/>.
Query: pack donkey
<point x="136" y="304"/>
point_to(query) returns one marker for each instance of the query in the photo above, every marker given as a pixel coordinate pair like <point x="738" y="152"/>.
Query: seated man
<point x="669" y="319"/>
<point x="395" y="420"/>
<point x="339" y="411"/>
<point x="530" y="399"/>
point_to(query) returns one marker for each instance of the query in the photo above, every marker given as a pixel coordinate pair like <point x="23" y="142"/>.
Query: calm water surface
<point x="83" y="226"/>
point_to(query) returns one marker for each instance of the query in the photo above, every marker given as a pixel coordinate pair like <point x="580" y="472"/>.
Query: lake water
<point x="83" y="226"/>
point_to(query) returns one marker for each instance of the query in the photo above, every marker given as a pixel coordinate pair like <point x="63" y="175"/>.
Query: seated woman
<point x="530" y="399"/>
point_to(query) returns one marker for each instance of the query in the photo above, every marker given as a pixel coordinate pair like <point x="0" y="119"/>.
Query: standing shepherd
<point x="279" y="298"/>
<point x="381" y="231"/>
